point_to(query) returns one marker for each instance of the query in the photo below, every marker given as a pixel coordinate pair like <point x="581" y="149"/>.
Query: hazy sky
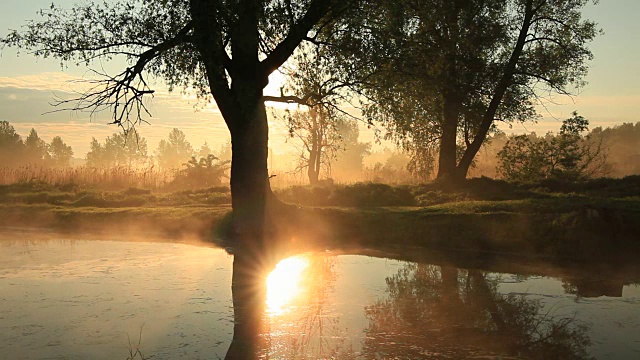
<point x="27" y="86"/>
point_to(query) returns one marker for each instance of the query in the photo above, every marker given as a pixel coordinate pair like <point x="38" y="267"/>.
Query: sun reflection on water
<point x="284" y="283"/>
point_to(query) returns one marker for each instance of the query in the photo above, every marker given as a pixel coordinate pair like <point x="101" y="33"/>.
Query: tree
<point x="350" y="163"/>
<point x="60" y="154"/>
<point x="317" y="129"/>
<point x="623" y="147"/>
<point x="11" y="146"/>
<point x="445" y="71"/>
<point x="35" y="149"/>
<point x="205" y="150"/>
<point x="175" y="151"/>
<point x="314" y="83"/>
<point x="222" y="49"/>
<point x="119" y="149"/>
<point x="567" y="155"/>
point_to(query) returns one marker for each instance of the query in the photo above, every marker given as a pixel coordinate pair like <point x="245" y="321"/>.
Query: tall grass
<point x="112" y="178"/>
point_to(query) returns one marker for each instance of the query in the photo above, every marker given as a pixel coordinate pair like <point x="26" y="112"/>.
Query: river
<point x="97" y="299"/>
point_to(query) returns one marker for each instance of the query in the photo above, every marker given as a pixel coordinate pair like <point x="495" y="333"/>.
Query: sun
<point x="284" y="283"/>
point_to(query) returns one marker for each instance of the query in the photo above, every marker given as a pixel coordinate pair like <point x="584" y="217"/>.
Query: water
<point x="99" y="299"/>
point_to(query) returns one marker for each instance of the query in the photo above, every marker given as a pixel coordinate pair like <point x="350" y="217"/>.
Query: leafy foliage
<point x="568" y="155"/>
<point x="206" y="172"/>
<point x="33" y="151"/>
<point x="174" y="151"/>
<point x="11" y="144"/>
<point x="438" y="74"/>
<point x="118" y="150"/>
<point x="60" y="154"/>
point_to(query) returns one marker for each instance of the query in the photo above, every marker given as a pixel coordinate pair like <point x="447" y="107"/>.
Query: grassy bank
<point x="598" y="220"/>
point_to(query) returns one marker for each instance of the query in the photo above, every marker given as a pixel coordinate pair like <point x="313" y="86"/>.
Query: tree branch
<point x="316" y="11"/>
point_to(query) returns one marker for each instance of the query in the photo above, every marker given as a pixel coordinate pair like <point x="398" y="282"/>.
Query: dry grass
<point x="114" y="178"/>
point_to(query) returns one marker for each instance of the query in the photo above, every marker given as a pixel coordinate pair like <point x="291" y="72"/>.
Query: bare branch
<point x="124" y="93"/>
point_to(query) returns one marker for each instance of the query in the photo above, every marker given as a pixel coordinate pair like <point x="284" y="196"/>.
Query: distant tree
<point x="96" y="155"/>
<point x="118" y="150"/>
<point x="319" y="89"/>
<point x="318" y="132"/>
<point x="350" y="163"/>
<point x="60" y="154"/>
<point x="224" y="152"/>
<point x="11" y="146"/>
<point x="35" y="149"/>
<point x="204" y="151"/>
<point x="623" y="147"/>
<point x="175" y="151"/>
<point x="568" y="155"/>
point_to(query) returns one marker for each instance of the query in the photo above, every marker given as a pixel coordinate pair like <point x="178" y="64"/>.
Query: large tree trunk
<point x="451" y="98"/>
<point x="249" y="295"/>
<point x="448" y="141"/>
<point x="498" y="95"/>
<point x="249" y="175"/>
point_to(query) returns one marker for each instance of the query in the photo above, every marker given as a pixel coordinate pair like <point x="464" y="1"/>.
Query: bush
<point x="205" y="172"/>
<point x="567" y="155"/>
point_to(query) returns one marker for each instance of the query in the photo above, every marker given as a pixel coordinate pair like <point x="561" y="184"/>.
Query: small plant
<point x="134" y="348"/>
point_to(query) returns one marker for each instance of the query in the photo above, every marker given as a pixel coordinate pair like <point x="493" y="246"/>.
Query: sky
<point x="28" y="86"/>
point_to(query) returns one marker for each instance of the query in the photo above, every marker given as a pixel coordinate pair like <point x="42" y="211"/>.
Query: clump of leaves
<point x="206" y="172"/>
<point x="568" y="155"/>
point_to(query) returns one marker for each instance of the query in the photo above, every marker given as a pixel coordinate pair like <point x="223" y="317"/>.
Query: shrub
<point x="567" y="155"/>
<point x="205" y="172"/>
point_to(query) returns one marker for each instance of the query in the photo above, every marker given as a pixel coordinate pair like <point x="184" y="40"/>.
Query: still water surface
<point x="98" y="299"/>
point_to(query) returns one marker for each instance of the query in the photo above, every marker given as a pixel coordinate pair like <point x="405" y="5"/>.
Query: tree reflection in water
<point x="297" y="323"/>
<point x="249" y="294"/>
<point x="431" y="312"/>
<point x="442" y="313"/>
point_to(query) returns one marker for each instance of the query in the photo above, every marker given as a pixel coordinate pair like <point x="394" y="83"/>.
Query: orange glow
<point x="284" y="283"/>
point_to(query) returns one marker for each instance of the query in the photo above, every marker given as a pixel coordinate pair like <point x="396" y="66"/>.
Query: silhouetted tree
<point x="175" y="151"/>
<point x="318" y="88"/>
<point x="222" y="49"/>
<point x="118" y="150"/>
<point x="35" y="149"/>
<point x="204" y="172"/>
<point x="440" y="73"/>
<point x="11" y="146"/>
<point x="318" y="131"/>
<point x="60" y="154"/>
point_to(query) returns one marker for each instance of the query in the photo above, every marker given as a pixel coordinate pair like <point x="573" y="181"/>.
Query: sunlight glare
<point x="284" y="283"/>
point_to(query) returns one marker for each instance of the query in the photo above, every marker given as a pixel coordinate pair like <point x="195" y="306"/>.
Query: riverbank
<point x="574" y="226"/>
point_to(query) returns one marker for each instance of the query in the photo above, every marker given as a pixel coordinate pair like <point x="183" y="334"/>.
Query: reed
<point x="111" y="178"/>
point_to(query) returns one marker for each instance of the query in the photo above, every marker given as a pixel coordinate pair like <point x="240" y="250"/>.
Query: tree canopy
<point x="439" y="74"/>
<point x="119" y="149"/>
